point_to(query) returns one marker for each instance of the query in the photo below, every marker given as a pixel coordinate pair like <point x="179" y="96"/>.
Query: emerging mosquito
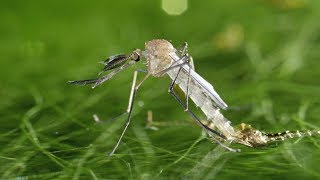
<point x="162" y="58"/>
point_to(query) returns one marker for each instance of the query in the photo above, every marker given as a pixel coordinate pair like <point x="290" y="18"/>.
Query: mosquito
<point x="163" y="59"/>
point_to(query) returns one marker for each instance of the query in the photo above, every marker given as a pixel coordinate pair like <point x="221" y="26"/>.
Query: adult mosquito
<point x="163" y="59"/>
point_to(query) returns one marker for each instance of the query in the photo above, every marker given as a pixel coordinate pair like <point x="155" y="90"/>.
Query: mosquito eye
<point x="137" y="59"/>
<point x="135" y="56"/>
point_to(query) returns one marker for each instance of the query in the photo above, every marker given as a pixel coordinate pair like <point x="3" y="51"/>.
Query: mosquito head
<point x="117" y="63"/>
<point x="135" y="55"/>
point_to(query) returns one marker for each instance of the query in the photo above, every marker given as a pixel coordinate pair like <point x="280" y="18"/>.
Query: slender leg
<point x="134" y="89"/>
<point x="183" y="48"/>
<point x="186" y="61"/>
<point x="187" y="93"/>
<point x="174" y="81"/>
<point x="102" y="79"/>
<point x="191" y="66"/>
<point x="209" y="131"/>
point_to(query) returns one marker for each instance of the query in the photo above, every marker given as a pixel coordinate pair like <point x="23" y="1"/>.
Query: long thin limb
<point x="183" y="48"/>
<point x="206" y="128"/>
<point x="174" y="81"/>
<point x="102" y="79"/>
<point x="110" y="75"/>
<point x="187" y="93"/>
<point x="191" y="66"/>
<point x="186" y="61"/>
<point x="83" y="82"/>
<point x="133" y="92"/>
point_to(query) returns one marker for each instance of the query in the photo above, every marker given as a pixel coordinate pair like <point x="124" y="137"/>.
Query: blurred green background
<point x="261" y="56"/>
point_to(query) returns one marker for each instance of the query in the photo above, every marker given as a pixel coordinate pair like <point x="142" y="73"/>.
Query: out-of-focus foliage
<point x="261" y="56"/>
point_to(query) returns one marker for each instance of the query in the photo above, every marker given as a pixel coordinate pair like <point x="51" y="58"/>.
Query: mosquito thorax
<point x="157" y="53"/>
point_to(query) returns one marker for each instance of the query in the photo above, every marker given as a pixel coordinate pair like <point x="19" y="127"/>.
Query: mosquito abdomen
<point x="203" y="101"/>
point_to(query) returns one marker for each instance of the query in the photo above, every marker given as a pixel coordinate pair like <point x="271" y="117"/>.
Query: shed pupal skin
<point x="251" y="137"/>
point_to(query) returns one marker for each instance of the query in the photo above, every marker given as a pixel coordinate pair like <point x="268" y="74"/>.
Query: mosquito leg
<point x="142" y="70"/>
<point x="187" y="93"/>
<point x="102" y="79"/>
<point x="188" y="60"/>
<point x="210" y="131"/>
<point x="179" y="65"/>
<point x="133" y="92"/>
<point x="174" y="81"/>
<point x="110" y="75"/>
<point x="129" y="110"/>
<point x="183" y="48"/>
<point x="191" y="66"/>
<point x="206" y="128"/>
<point x="84" y="82"/>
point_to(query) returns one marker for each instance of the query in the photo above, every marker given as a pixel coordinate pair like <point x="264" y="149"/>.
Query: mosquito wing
<point x="206" y="86"/>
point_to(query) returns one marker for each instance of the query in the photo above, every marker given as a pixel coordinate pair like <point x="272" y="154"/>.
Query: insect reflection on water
<point x="163" y="59"/>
